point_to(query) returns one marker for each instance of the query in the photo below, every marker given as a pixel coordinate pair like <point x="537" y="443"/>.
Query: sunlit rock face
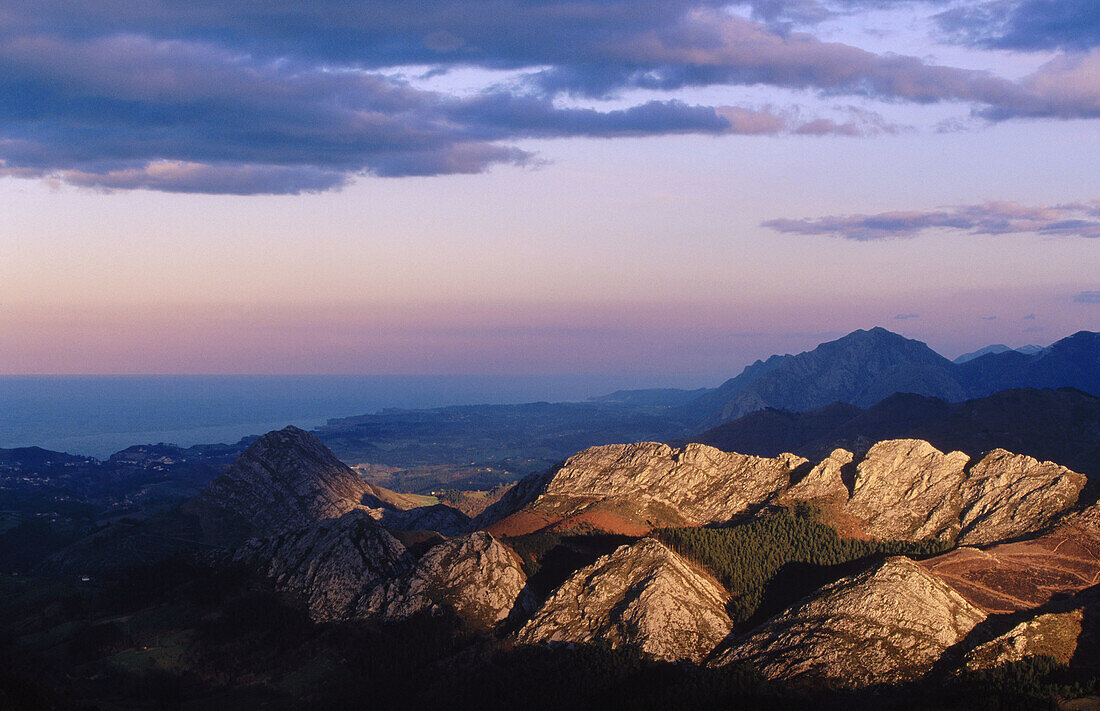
<point x="909" y="490"/>
<point x="889" y="624"/>
<point x="633" y="488"/>
<point x="643" y="595"/>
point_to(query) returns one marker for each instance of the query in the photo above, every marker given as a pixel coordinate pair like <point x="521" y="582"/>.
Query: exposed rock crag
<point x="909" y="490"/>
<point x="643" y="595"/>
<point x="886" y="625"/>
<point x="330" y="563"/>
<point x="476" y="577"/>
<point x="632" y="488"/>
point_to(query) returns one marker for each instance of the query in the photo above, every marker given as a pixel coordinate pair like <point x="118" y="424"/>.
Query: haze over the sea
<point x="99" y="415"/>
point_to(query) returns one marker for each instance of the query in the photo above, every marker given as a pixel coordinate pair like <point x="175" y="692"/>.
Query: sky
<point x="670" y="189"/>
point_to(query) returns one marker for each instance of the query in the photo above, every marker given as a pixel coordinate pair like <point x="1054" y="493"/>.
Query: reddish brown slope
<point x="1018" y="576"/>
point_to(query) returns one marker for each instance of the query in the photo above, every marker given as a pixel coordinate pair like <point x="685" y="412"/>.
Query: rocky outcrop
<point x="886" y="625"/>
<point x="439" y="518"/>
<point x="825" y="482"/>
<point x="1053" y="634"/>
<point x="476" y="577"/>
<point x="909" y="490"/>
<point x="635" y="487"/>
<point x="1007" y="494"/>
<point x="643" y="595"/>
<point x="329" y="564"/>
<point x="286" y="480"/>
<point x="901" y="490"/>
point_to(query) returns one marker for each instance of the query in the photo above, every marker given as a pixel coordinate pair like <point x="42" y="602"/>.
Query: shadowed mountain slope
<point x="1057" y="425"/>
<point x="285" y="480"/>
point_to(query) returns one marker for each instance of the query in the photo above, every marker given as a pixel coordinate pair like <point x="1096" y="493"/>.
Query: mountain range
<point x="865" y="367"/>
<point x="874" y="525"/>
<point x="901" y="564"/>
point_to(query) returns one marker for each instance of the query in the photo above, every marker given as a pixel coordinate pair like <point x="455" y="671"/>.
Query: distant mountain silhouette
<point x="861" y="369"/>
<point x="1058" y="425"/>
<point x="865" y="367"/>
<point x="996" y="348"/>
<point x="1071" y="362"/>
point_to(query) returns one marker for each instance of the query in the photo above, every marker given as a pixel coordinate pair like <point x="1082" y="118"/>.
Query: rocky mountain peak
<point x="329" y="564"/>
<point x="909" y="490"/>
<point x="284" y="481"/>
<point x="643" y="595"/>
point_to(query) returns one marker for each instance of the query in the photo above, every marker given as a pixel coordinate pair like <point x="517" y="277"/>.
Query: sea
<point x="99" y="415"/>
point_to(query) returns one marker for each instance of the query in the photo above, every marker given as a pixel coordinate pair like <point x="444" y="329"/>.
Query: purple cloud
<point x="906" y="317"/>
<point x="1025" y="24"/>
<point x="267" y="96"/>
<point x="1087" y="297"/>
<point x="198" y="119"/>
<point x="992" y="218"/>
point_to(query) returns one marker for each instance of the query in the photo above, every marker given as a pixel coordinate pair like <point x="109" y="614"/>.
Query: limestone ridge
<point x="637" y="487"/>
<point x="329" y="564"/>
<point x="476" y="577"/>
<point x="643" y="595"/>
<point x="901" y="490"/>
<point x="909" y="490"/>
<point x="285" y="480"/>
<point x="886" y="625"/>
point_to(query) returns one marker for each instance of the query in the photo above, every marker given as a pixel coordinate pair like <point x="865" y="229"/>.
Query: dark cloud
<point x="270" y="96"/>
<point x="1088" y="297"/>
<point x="786" y="13"/>
<point x="989" y="318"/>
<point x="906" y="317"/>
<point x="1029" y="317"/>
<point x="1026" y="24"/>
<point x="993" y="218"/>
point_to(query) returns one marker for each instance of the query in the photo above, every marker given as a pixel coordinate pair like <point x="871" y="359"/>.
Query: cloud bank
<point x="266" y="96"/>
<point x="991" y="218"/>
